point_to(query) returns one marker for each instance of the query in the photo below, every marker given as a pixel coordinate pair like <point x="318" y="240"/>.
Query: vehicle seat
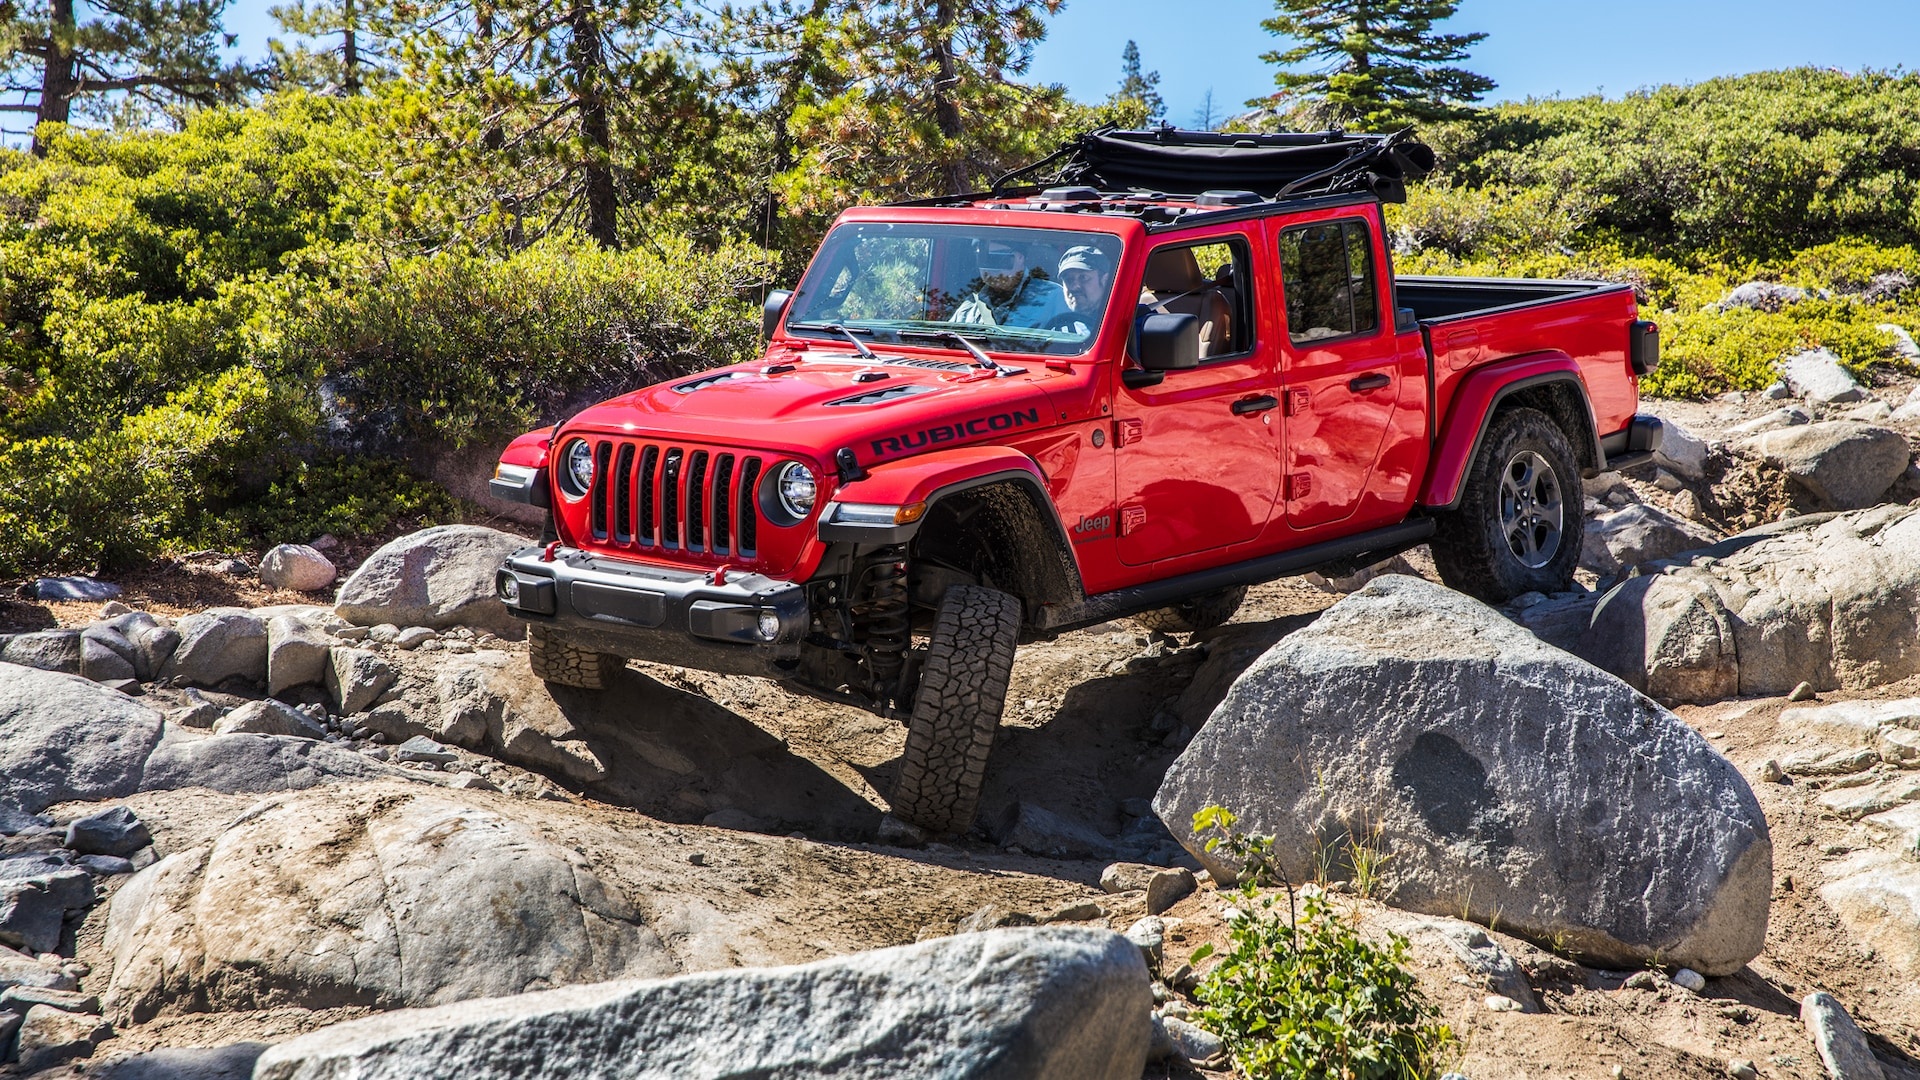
<point x="1174" y="285"/>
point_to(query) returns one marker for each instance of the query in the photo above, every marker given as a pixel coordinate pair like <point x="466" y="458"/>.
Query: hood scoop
<point x="705" y="381"/>
<point x="880" y="397"/>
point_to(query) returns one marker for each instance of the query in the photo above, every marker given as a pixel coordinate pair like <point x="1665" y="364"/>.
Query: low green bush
<point x="1299" y="994"/>
<point x="343" y="495"/>
<point x="458" y="347"/>
<point x="162" y="479"/>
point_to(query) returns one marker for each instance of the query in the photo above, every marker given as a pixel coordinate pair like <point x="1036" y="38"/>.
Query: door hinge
<point x="1131" y="519"/>
<point x="1299" y="486"/>
<point x="1127" y="432"/>
<point x="1299" y="399"/>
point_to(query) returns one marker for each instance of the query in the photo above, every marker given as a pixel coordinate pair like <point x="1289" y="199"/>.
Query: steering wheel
<point x="1070" y="321"/>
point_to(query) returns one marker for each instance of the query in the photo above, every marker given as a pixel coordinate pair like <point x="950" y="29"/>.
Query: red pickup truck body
<point x="1184" y="484"/>
<point x="1077" y="475"/>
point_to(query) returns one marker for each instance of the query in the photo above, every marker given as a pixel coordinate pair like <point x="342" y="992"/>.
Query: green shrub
<point x="1707" y="351"/>
<point x="458" y="347"/>
<point x="1753" y="166"/>
<point x="160" y="480"/>
<point x="1300" y="994"/>
<point x="345" y="496"/>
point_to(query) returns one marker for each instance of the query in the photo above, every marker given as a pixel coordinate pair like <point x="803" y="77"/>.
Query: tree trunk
<point x="800" y="66"/>
<point x="588" y="60"/>
<point x="58" y="81"/>
<point x="946" y="104"/>
<point x="349" y="50"/>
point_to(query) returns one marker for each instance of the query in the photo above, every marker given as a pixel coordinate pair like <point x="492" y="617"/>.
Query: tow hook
<point x="551" y="550"/>
<point x="719" y="576"/>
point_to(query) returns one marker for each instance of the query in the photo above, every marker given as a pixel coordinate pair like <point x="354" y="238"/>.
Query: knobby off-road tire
<point x="1200" y="613"/>
<point x="1522" y="514"/>
<point x="554" y="660"/>
<point x="956" y="710"/>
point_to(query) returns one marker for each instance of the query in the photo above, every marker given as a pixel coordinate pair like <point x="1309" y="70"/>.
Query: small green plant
<point x="1301" y="994"/>
<point x="1367" y="855"/>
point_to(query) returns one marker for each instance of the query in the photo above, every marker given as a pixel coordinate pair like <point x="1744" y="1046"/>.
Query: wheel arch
<point x="1548" y="382"/>
<point x="984" y="507"/>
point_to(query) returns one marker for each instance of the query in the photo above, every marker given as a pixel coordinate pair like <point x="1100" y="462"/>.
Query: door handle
<point x="1255" y="404"/>
<point x="1366" y="383"/>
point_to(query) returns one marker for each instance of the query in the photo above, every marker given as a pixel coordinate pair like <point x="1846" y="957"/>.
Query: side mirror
<point x="773" y="310"/>
<point x="1169" y="342"/>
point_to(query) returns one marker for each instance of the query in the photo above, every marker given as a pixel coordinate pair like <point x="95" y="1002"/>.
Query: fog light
<point x="769" y="626"/>
<point x="509" y="587"/>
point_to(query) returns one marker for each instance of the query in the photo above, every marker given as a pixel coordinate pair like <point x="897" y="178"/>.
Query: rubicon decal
<point x="943" y="433"/>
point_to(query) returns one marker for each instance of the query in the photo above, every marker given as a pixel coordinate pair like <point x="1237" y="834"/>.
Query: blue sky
<point x="1537" y="48"/>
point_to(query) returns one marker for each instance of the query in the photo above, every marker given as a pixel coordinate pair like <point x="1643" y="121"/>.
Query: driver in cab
<point x="1010" y="294"/>
<point x="1084" y="275"/>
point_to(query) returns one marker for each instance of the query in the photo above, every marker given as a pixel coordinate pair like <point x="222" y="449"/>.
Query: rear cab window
<point x="1332" y="285"/>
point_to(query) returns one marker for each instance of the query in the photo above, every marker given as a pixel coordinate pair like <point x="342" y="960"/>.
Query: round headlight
<point x="576" y="469"/>
<point x="793" y="482"/>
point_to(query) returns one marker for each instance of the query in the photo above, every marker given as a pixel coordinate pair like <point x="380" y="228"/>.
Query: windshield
<point x="1016" y="290"/>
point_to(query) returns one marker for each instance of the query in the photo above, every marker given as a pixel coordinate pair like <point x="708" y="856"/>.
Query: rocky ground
<point x="288" y="867"/>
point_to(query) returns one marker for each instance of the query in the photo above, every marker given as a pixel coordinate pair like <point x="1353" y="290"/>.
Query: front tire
<point x="1522" y="514"/>
<point x="956" y="710"/>
<point x="556" y="661"/>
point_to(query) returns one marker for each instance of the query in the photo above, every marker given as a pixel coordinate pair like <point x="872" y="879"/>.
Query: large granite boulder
<point x="297" y="567"/>
<point x="1818" y="376"/>
<point x="1844" y="464"/>
<point x="1052" y="1003"/>
<point x="242" y="763"/>
<point x="297" y="653"/>
<point x="1828" y="599"/>
<point x="438" y="577"/>
<point x="216" y="645"/>
<point x="1636" y="534"/>
<point x="47" y="650"/>
<point x="314" y="901"/>
<point x="63" y="738"/>
<point x="1500" y="777"/>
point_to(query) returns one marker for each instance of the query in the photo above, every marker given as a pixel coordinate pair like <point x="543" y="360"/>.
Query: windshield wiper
<point x="955" y="337"/>
<point x="847" y="332"/>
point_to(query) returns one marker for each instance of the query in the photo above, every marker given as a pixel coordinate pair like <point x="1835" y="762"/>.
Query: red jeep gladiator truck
<point x="1177" y="365"/>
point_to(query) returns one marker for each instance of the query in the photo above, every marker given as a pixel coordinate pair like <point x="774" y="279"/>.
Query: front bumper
<point x="747" y="624"/>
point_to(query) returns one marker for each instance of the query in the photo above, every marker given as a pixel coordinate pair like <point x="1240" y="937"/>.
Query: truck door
<point x="1340" y="378"/>
<point x="1197" y="456"/>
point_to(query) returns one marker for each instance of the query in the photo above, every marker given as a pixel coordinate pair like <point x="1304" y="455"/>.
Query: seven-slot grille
<point x="656" y="497"/>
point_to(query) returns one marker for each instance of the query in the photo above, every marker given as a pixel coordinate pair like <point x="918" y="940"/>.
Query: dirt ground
<point x="1093" y="721"/>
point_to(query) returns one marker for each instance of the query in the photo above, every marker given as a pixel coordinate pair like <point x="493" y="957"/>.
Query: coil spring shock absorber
<point x="880" y="621"/>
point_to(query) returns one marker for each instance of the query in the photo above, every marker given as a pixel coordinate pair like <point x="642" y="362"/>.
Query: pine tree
<point x="1382" y="64"/>
<point x="358" y="42"/>
<point x="93" y="56"/>
<point x="926" y="102"/>
<point x="1207" y="116"/>
<point x="1136" y="86"/>
<point x="556" y="113"/>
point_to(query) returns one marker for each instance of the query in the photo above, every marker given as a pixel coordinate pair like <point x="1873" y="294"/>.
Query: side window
<point x="1209" y="281"/>
<point x="1327" y="271"/>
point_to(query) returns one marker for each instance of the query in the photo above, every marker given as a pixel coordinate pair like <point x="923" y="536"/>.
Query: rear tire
<point x="1199" y="613"/>
<point x="556" y="661"/>
<point x="1522" y="514"/>
<point x="956" y="710"/>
